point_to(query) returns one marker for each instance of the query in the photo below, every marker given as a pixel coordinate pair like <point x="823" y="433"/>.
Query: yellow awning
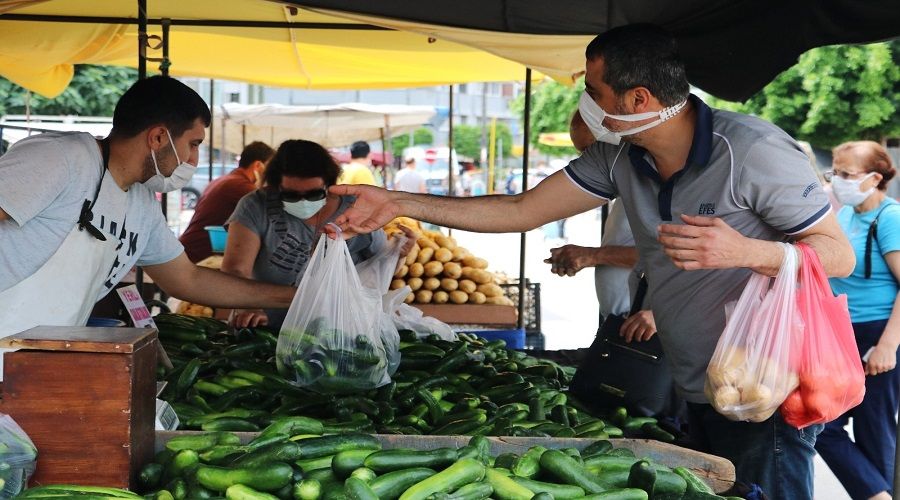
<point x="557" y="139"/>
<point x="40" y="55"/>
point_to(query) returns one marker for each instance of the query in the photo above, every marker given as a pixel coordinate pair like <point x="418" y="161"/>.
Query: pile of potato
<point x="441" y="272"/>
<point x="191" y="309"/>
<point x="744" y="387"/>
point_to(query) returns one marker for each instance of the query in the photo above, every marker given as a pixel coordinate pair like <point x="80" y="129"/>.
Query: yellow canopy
<point x="40" y="55"/>
<point x="557" y="139"/>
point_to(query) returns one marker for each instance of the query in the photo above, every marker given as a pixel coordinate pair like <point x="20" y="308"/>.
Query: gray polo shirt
<point x="742" y="169"/>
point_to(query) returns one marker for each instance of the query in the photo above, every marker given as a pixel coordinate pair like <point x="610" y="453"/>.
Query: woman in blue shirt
<point x="871" y="220"/>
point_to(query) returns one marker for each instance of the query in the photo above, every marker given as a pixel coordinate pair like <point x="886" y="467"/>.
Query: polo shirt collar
<point x="701" y="145"/>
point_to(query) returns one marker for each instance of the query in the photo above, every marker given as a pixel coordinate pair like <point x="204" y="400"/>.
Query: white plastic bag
<point x="376" y="273"/>
<point x="17" y="457"/>
<point x="407" y="317"/>
<point x="754" y="366"/>
<point x="329" y="341"/>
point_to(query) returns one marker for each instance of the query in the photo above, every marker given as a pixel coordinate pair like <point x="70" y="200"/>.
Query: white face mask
<point x="847" y="192"/>
<point x="304" y="209"/>
<point x="180" y="177"/>
<point x="593" y="116"/>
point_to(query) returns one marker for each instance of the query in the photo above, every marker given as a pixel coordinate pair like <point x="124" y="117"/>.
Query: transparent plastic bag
<point x="407" y="317"/>
<point x="328" y="341"/>
<point x="754" y="366"/>
<point x="832" y="379"/>
<point x="376" y="273"/>
<point x="17" y="457"/>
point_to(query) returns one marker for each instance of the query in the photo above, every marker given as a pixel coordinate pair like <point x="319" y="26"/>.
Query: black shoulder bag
<point x="616" y="373"/>
<point x="872" y="234"/>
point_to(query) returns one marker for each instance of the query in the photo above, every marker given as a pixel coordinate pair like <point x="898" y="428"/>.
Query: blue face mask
<point x="303" y="209"/>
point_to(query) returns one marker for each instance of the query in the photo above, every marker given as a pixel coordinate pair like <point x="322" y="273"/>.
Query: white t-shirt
<point x="611" y="282"/>
<point x="409" y="180"/>
<point x="44" y="181"/>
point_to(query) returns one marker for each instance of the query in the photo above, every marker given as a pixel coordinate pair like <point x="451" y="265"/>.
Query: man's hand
<point x="704" y="243"/>
<point x="244" y="318"/>
<point x="640" y="326"/>
<point x="883" y="359"/>
<point x="569" y="259"/>
<point x="374" y="207"/>
<point x="410" y="241"/>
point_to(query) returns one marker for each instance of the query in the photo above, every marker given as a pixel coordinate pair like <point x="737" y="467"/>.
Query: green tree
<point x="94" y="91"/>
<point x="552" y="106"/>
<point x="833" y="94"/>
<point x="467" y="140"/>
<point x="420" y="136"/>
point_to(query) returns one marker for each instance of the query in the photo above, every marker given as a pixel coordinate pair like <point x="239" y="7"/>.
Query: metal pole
<point x="386" y="150"/>
<point x="164" y="70"/>
<point x="525" y="143"/>
<point x="212" y="108"/>
<point x="142" y="74"/>
<point x="450" y="156"/>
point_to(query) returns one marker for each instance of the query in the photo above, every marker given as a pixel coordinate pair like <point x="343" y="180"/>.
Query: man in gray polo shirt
<point x="707" y="194"/>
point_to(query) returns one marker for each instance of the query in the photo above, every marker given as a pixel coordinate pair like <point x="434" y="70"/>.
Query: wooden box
<point x="87" y="398"/>
<point x="471" y="314"/>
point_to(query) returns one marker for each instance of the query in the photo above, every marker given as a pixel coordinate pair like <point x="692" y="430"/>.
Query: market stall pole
<point x="86" y="398"/>
<point x="526" y="127"/>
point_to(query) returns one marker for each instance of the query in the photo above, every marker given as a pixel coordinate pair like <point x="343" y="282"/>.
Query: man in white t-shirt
<point x="408" y="179"/>
<point x="83" y="210"/>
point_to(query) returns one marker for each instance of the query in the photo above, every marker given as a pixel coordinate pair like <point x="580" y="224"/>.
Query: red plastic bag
<point x="832" y="380"/>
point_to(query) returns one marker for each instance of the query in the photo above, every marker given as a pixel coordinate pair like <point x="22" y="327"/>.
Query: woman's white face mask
<point x="594" y="115"/>
<point x="847" y="191"/>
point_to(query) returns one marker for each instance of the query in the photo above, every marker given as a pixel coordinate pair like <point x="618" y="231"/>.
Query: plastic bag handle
<point x="812" y="266"/>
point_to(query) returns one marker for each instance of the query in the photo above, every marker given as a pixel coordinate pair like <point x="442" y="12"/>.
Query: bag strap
<point x="639" y="295"/>
<point x="872" y="234"/>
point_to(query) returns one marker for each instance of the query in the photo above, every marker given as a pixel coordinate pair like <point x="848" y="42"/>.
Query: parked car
<point x="191" y="193"/>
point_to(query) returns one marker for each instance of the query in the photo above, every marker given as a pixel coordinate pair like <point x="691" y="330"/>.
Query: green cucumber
<point x="567" y="470"/>
<point x="310" y="464"/>
<point x="230" y="424"/>
<point x="293" y="426"/>
<point x="242" y="492"/>
<point x="694" y="483"/>
<point x="504" y="487"/>
<point x="390" y="460"/>
<point x="357" y="489"/>
<point x="471" y="491"/>
<point x="345" y="462"/>
<point x="307" y="489"/>
<point x="269" y="477"/>
<point x="391" y="485"/>
<point x="642" y="476"/>
<point x="364" y="473"/>
<point x="619" y="494"/>
<point x="461" y="473"/>
<point x="559" y="491"/>
<point x="596" y="448"/>
<point x="333" y="444"/>
<point x="529" y="464"/>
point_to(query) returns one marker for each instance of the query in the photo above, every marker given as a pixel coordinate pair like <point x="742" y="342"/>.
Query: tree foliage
<point x="833" y="94"/>
<point x="552" y="106"/>
<point x="467" y="140"/>
<point x="94" y="91"/>
<point x="420" y="136"/>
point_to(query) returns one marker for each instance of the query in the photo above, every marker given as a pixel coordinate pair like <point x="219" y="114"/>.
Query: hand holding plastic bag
<point x="753" y="368"/>
<point x="831" y="374"/>
<point x="329" y="341"/>
<point x="17" y="457"/>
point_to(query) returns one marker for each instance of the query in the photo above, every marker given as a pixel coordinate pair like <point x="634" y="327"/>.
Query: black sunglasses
<point x="295" y="196"/>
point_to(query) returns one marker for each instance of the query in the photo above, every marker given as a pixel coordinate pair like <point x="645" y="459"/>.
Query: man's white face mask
<point x="180" y="177"/>
<point x="594" y="115"/>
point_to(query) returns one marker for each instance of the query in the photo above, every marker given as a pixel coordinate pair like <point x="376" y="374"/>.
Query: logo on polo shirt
<point x="707" y="209"/>
<point x="810" y="188"/>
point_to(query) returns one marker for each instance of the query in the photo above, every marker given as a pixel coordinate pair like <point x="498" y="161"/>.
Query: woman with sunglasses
<point x="871" y="220"/>
<point x="273" y="230"/>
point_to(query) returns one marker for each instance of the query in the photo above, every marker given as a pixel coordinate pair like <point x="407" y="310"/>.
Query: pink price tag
<point x="133" y="302"/>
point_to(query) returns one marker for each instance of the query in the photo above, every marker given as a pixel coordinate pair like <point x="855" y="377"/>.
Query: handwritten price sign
<point x="138" y="311"/>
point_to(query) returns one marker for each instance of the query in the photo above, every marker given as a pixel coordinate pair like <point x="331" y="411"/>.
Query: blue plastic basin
<point x="217" y="237"/>
<point x="515" y="339"/>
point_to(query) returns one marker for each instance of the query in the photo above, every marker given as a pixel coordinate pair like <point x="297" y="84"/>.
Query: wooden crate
<point x="471" y="314"/>
<point x="87" y="398"/>
<point x="716" y="471"/>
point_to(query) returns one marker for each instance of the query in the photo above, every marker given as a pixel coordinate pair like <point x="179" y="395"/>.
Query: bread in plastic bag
<point x="832" y="380"/>
<point x="17" y="457"/>
<point x="330" y="340"/>
<point x="754" y="366"/>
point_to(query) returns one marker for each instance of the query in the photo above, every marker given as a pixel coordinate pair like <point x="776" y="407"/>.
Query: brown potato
<point x="459" y="297"/>
<point x="412" y="255"/>
<point x="452" y="270"/>
<point x="445" y="242"/>
<point x="499" y="301"/>
<point x="467" y="286"/>
<point x="481" y="276"/>
<point x="426" y="242"/>
<point x="443" y="255"/>
<point x="477" y="298"/>
<point x="475" y="262"/>
<point x="467" y="272"/>
<point x="410" y="298"/>
<point x="425" y="255"/>
<point x="440" y="297"/>
<point x="431" y="284"/>
<point x="414" y="283"/>
<point x="433" y="268"/>
<point x="398" y="283"/>
<point x="459" y="253"/>
<point x="423" y="296"/>
<point x="416" y="270"/>
<point x="402" y="271"/>
<point x="490" y="290"/>
<point x="449" y="284"/>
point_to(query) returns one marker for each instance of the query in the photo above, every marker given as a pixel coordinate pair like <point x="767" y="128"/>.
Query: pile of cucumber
<point x="279" y="464"/>
<point x="229" y="382"/>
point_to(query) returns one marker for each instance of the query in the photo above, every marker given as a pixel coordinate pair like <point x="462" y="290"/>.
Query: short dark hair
<point x="359" y="149"/>
<point x="158" y="100"/>
<point x="255" y="151"/>
<point x="304" y="159"/>
<point x="641" y="55"/>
